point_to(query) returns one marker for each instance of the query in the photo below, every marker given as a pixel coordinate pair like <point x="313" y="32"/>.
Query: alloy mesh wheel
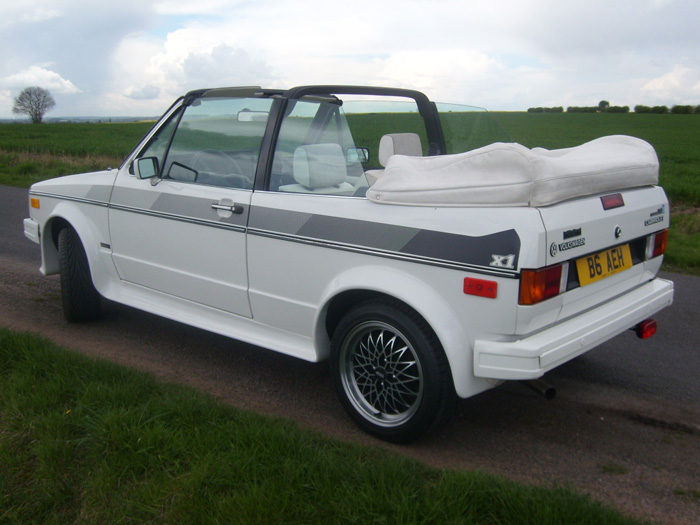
<point x="381" y="374"/>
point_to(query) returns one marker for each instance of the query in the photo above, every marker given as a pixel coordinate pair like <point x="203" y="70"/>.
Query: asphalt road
<point x="629" y="402"/>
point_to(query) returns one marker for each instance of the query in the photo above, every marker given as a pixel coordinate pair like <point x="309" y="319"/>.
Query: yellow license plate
<point x="600" y="265"/>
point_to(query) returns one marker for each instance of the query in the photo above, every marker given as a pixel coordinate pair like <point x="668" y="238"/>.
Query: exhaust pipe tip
<point x="542" y="388"/>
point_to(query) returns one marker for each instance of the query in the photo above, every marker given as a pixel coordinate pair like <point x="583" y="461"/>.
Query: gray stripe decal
<point x="99" y="193"/>
<point x="180" y="218"/>
<point x="176" y="207"/>
<point x="426" y="246"/>
<point x="398" y="242"/>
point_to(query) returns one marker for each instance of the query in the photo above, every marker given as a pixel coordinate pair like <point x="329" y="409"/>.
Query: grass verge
<point x="90" y="441"/>
<point x="22" y="169"/>
<point x="683" y="254"/>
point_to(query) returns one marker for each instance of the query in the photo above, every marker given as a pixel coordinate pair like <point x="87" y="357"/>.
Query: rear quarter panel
<point x="296" y="269"/>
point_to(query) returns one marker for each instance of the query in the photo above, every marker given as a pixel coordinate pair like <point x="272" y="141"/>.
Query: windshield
<point x="465" y="127"/>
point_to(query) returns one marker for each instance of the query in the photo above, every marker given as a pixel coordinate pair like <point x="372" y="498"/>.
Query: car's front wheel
<point x="81" y="301"/>
<point x="390" y="371"/>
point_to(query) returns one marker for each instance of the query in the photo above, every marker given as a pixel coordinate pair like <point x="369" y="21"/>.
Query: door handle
<point x="233" y="208"/>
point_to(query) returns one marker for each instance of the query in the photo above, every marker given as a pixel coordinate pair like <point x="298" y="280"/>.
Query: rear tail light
<point x="656" y="244"/>
<point x="538" y="285"/>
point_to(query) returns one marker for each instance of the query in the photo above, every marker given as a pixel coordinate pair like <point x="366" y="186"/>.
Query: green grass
<point x="73" y="140"/>
<point x="89" y="441"/>
<point x="30" y="152"/>
<point x="683" y="254"/>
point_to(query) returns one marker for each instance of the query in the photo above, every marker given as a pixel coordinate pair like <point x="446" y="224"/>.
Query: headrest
<point x="319" y="165"/>
<point x="399" y="144"/>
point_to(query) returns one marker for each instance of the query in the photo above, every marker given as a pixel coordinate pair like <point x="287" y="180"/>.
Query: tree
<point x="35" y="102"/>
<point x="603" y="105"/>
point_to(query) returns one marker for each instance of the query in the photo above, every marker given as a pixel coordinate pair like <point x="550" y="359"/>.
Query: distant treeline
<point x="661" y="110"/>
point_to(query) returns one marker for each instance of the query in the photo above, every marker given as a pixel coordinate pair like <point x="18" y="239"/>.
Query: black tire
<point x="390" y="372"/>
<point x="81" y="301"/>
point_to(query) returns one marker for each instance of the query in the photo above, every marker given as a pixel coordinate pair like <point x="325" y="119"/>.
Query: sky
<point x="135" y="57"/>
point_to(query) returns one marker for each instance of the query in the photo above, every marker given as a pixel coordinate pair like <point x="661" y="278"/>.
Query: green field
<point x="29" y="153"/>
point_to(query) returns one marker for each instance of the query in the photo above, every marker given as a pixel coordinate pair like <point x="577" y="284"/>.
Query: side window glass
<point x="158" y="145"/>
<point x="217" y="142"/>
<point x="311" y="155"/>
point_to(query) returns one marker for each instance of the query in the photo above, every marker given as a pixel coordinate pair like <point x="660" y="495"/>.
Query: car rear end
<point x="591" y="277"/>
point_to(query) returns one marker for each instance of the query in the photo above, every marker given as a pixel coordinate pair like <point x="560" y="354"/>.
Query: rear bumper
<point x="531" y="357"/>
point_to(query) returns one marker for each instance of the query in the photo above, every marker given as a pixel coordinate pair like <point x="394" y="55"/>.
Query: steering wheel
<point x="214" y="161"/>
<point x="219" y="164"/>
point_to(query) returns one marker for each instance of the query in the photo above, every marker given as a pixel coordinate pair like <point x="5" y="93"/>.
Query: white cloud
<point x="148" y="92"/>
<point x="451" y="75"/>
<point x="187" y="7"/>
<point x="680" y="85"/>
<point x="28" y="11"/>
<point x="136" y="56"/>
<point x="224" y="65"/>
<point x="41" y="76"/>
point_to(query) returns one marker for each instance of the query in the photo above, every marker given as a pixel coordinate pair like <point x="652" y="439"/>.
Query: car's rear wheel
<point x="390" y="371"/>
<point x="81" y="301"/>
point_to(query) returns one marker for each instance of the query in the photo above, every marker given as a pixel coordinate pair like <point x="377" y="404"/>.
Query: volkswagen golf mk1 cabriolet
<point x="427" y="257"/>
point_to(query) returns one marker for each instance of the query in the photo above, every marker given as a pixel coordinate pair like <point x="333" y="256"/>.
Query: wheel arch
<point x="66" y="215"/>
<point x="359" y="285"/>
<point x="49" y="244"/>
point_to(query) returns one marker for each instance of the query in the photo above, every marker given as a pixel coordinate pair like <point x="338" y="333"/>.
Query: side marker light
<point x="480" y="287"/>
<point x="34" y="203"/>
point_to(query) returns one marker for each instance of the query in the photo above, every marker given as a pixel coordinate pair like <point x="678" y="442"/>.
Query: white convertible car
<point x="426" y="257"/>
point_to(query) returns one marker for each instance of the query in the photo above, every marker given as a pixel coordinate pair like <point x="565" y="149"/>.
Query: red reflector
<point x="646" y="329"/>
<point x="660" y="240"/>
<point x="480" y="287"/>
<point x="612" y="201"/>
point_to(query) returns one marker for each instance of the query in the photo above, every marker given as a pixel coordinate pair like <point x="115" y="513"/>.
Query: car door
<point x="182" y="232"/>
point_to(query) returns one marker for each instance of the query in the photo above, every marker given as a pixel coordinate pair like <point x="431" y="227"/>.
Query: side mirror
<point x="146" y="167"/>
<point x="354" y="155"/>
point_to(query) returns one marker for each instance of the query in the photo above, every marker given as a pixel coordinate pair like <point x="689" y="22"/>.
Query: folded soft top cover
<point x="508" y="174"/>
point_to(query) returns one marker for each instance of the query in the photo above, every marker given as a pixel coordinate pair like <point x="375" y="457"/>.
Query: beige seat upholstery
<point x="395" y="144"/>
<point x="319" y="168"/>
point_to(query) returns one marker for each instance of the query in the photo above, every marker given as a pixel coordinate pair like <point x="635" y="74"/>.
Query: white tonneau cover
<point x="508" y="174"/>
